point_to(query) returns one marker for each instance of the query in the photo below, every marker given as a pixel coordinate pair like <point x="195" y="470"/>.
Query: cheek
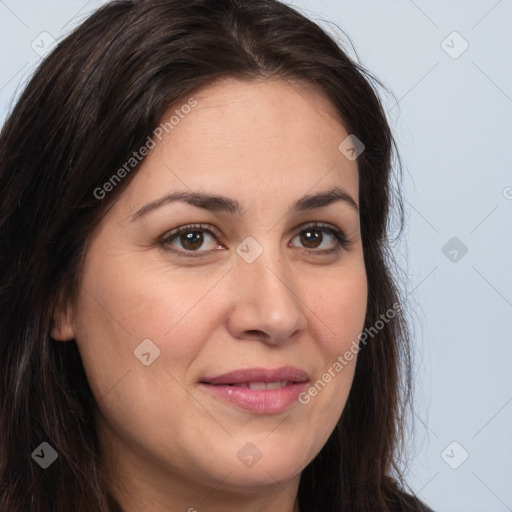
<point x="120" y="306"/>
<point x="338" y="313"/>
<point x="144" y="300"/>
<point x="118" y="309"/>
<point x="339" y="307"/>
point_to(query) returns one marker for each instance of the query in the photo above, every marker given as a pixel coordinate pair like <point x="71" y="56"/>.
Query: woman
<point x="196" y="307"/>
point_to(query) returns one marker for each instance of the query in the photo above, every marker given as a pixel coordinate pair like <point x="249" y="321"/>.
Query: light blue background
<point x="453" y="124"/>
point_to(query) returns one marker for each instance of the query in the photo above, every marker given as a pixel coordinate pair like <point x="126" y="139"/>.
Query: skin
<point x="167" y="444"/>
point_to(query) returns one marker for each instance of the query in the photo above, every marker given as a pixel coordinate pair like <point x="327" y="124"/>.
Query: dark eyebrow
<point x="321" y="199"/>
<point x="216" y="203"/>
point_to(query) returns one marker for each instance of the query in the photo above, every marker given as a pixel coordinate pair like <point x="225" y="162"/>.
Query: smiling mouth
<point x="261" y="385"/>
<point x="258" y="390"/>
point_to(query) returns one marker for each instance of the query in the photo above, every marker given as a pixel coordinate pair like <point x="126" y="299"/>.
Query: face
<point x="204" y="323"/>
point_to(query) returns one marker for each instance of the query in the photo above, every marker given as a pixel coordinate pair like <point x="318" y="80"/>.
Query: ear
<point x="62" y="327"/>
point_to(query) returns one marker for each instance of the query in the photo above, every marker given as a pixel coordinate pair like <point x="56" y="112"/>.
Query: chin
<point x="263" y="476"/>
<point x="264" y="466"/>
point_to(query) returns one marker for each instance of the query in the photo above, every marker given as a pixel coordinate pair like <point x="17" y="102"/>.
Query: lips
<point x="258" y="375"/>
<point x="258" y="390"/>
<point x="263" y="385"/>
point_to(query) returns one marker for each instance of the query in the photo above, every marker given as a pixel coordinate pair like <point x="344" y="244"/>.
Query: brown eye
<point x="311" y="239"/>
<point x="322" y="239"/>
<point x="190" y="239"/>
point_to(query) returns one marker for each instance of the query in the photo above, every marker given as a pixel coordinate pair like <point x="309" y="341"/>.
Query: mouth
<point x="261" y="385"/>
<point x="258" y="390"/>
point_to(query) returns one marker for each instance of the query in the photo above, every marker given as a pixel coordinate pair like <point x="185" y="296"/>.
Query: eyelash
<point x="341" y="241"/>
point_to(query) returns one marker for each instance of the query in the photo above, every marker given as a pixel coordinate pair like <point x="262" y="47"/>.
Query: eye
<point x="195" y="240"/>
<point x="322" y="239"/>
<point x="189" y="239"/>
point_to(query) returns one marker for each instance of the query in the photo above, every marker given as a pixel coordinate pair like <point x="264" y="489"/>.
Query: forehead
<point x="258" y="113"/>
<point x="251" y="138"/>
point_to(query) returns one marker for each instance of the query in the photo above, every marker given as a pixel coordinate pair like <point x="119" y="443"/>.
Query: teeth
<point x="267" y="385"/>
<point x="258" y="385"/>
<point x="262" y="385"/>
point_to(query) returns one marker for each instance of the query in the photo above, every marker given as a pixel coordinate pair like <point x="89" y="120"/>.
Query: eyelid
<point x="174" y="233"/>
<point x="337" y="233"/>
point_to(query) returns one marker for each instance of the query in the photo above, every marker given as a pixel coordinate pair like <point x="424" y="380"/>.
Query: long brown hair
<point x="93" y="102"/>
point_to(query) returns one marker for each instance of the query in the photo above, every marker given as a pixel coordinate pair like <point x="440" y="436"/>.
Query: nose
<point x="265" y="305"/>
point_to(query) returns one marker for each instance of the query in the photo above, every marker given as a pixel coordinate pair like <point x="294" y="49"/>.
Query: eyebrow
<point x="217" y="203"/>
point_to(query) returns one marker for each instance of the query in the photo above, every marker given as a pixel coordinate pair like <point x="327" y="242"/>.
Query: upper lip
<point x="285" y="373"/>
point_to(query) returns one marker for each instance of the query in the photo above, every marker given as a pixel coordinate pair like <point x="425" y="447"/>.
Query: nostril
<point x="258" y="334"/>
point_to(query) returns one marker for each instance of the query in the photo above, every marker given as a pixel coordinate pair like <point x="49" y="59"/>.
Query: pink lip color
<point x="260" y="401"/>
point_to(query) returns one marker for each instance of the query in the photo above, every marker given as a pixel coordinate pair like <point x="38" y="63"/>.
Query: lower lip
<point x="260" y="401"/>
